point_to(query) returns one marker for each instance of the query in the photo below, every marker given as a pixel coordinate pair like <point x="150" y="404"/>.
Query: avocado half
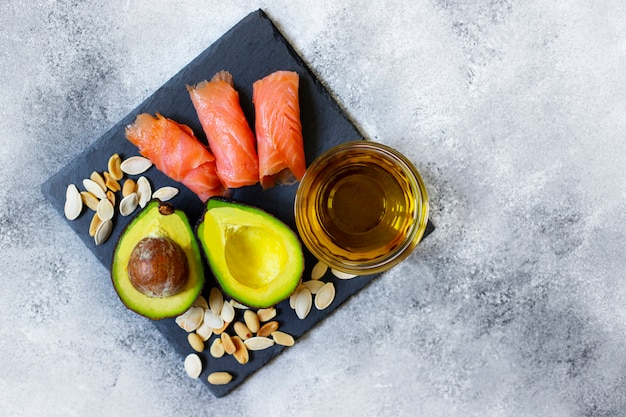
<point x="162" y="221"/>
<point x="255" y="258"/>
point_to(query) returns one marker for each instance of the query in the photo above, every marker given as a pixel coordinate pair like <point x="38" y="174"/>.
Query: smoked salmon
<point x="174" y="149"/>
<point x="228" y="133"/>
<point x="278" y="129"/>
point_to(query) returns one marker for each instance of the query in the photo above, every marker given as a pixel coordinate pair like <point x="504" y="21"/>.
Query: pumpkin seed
<point x="292" y="298"/>
<point x="314" y="285"/>
<point x="252" y="320"/>
<point x="103" y="232"/>
<point x="201" y="302"/>
<point x="258" y="343"/>
<point x="266" y="314"/>
<point x="319" y="270"/>
<point x="191" y="319"/>
<point x="241" y="354"/>
<point x="115" y="167"/>
<point x="97" y="178"/>
<point x="217" y="348"/>
<point x="212" y="320"/>
<point x="129" y="187"/>
<point x="303" y="303"/>
<point x="282" y="338"/>
<point x="242" y="330"/>
<point x="196" y="342"/>
<point x="93" y="187"/>
<point x="89" y="200"/>
<point x="204" y="331"/>
<point x="135" y="165"/>
<point x="129" y="204"/>
<point x="193" y="365"/>
<point x="144" y="191"/>
<point x="105" y="209"/>
<point x="227" y="342"/>
<point x="342" y="275"/>
<point x="165" y="193"/>
<point x="267" y="329"/>
<point x="325" y="296"/>
<point x="216" y="301"/>
<point x="93" y="226"/>
<point x="220" y="378"/>
<point x="228" y="312"/>
<point x="73" y="202"/>
<point x="238" y="305"/>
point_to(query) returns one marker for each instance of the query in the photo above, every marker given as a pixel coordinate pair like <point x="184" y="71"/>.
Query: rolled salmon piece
<point x="174" y="150"/>
<point x="278" y="129"/>
<point x="228" y="133"/>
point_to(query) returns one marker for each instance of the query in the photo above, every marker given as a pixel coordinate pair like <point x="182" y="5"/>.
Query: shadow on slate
<point x="252" y="49"/>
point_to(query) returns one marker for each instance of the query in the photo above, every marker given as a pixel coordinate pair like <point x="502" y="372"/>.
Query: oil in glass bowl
<point x="361" y="207"/>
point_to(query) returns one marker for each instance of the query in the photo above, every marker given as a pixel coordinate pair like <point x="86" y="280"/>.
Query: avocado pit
<point x="158" y="267"/>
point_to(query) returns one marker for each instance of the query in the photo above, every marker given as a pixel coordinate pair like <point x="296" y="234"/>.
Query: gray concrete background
<point x="513" y="111"/>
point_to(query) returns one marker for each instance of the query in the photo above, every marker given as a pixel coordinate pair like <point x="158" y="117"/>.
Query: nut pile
<point x="255" y="331"/>
<point x="99" y="194"/>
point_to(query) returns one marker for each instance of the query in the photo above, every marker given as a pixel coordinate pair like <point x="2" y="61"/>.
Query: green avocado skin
<point x="255" y="258"/>
<point x="158" y="219"/>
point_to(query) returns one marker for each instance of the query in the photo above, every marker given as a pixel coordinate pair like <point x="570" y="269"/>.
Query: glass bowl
<point x="361" y="207"/>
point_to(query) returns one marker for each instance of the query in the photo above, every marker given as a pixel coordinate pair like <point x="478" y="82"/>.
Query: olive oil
<point x="359" y="207"/>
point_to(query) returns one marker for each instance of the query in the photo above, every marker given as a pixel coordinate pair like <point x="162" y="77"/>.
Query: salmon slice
<point x="230" y="138"/>
<point x="278" y="128"/>
<point x="175" y="151"/>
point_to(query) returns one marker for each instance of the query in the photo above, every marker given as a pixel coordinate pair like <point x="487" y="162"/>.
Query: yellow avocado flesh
<point x="150" y="223"/>
<point x="256" y="258"/>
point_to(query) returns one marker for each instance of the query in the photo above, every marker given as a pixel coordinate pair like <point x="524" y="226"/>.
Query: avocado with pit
<point x="157" y="268"/>
<point x="255" y="257"/>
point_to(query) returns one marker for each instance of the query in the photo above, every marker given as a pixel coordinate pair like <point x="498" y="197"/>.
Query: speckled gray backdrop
<point x="514" y="112"/>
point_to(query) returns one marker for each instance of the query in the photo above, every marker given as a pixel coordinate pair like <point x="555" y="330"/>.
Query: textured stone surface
<point x="515" y="114"/>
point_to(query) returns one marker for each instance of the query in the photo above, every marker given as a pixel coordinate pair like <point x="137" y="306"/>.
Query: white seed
<point x="342" y="275"/>
<point x="191" y="319"/>
<point x="89" y="200"/>
<point x="193" y="365"/>
<point x="314" y="285"/>
<point x="73" y="202"/>
<point x="238" y="305"/>
<point x="115" y="167"/>
<point x="144" y="191"/>
<point x="135" y="165"/>
<point x="228" y="312"/>
<point x="258" y="343"/>
<point x="201" y="302"/>
<point x="325" y="296"/>
<point x="319" y="270"/>
<point x="216" y="300"/>
<point x="204" y="331"/>
<point x="220" y="378"/>
<point x="303" y="303"/>
<point x="195" y="342"/>
<point x="129" y="204"/>
<point x="266" y="314"/>
<point x="94" y="188"/>
<point x="282" y="338"/>
<point x="165" y="193"/>
<point x="212" y="320"/>
<point x="217" y="348"/>
<point x="292" y="298"/>
<point x="103" y="232"/>
<point x="105" y="210"/>
<point x="252" y="320"/>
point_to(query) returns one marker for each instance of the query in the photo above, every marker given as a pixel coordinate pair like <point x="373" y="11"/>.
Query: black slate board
<point x="250" y="50"/>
